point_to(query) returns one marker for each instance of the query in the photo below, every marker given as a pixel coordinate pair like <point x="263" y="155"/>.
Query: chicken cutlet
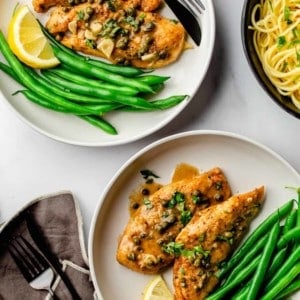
<point x="120" y="35"/>
<point x="157" y="222"/>
<point x="42" y="6"/>
<point x="208" y="239"/>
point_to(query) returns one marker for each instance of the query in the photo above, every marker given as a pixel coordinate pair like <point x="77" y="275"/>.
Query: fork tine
<point x="193" y="5"/>
<point x="33" y="266"/>
<point x="36" y="258"/>
<point x="27" y="257"/>
<point x="13" y="251"/>
<point x="200" y="4"/>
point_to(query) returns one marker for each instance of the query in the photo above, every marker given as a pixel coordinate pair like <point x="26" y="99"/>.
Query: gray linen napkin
<point x="60" y="221"/>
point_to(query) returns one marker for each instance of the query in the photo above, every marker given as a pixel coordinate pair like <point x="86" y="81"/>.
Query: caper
<point x="59" y="37"/>
<point x="131" y="11"/>
<point x="136" y="240"/>
<point x="135" y="205"/>
<point x="66" y="9"/>
<point x="131" y="256"/>
<point x="149" y="26"/>
<point x="89" y="10"/>
<point x="163" y="54"/>
<point x="219" y="197"/>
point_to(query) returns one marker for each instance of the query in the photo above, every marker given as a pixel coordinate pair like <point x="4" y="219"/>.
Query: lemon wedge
<point x="27" y="40"/>
<point x="157" y="289"/>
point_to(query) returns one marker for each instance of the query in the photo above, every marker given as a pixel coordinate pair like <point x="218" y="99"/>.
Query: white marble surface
<point x="229" y="99"/>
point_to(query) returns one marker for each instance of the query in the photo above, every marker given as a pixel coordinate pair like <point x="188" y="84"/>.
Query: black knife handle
<point x="39" y="240"/>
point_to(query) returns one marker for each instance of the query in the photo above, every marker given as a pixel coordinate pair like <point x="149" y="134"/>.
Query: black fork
<point x="33" y="266"/>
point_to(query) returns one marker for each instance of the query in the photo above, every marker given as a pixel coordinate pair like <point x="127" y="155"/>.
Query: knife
<point x="40" y="242"/>
<point x="187" y="19"/>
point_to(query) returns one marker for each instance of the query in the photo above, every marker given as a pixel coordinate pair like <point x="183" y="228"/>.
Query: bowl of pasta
<point x="271" y="41"/>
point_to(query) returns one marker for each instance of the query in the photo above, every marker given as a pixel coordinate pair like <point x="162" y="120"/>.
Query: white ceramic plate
<point x="246" y="164"/>
<point x="186" y="76"/>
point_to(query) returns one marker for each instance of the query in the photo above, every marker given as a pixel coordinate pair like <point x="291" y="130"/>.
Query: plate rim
<point x="152" y="146"/>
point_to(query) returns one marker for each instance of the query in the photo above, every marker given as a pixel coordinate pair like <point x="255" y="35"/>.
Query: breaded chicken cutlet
<point x="208" y="239"/>
<point x="142" y="245"/>
<point x="119" y="32"/>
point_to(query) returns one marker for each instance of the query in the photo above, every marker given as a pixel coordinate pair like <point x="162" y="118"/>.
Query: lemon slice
<point x="27" y="40"/>
<point x="157" y="289"/>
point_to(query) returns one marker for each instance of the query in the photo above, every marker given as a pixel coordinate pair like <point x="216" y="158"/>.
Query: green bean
<point x="101" y="123"/>
<point x="152" y="79"/>
<point x="277" y="262"/>
<point x="266" y="256"/>
<point x="293" y="234"/>
<point x="105" y="94"/>
<point x="290" y="221"/>
<point x="9" y="71"/>
<point x="288" y="264"/>
<point x="31" y="84"/>
<point x="246" y="259"/>
<point x="33" y="97"/>
<point x="96" y="121"/>
<point x="159" y="104"/>
<point x="290" y="289"/>
<point x="65" y="91"/>
<point x="282" y="283"/>
<point x="123" y="70"/>
<point x="241" y="293"/>
<point x="240" y="277"/>
<point x="275" y="265"/>
<point x="84" y="81"/>
<point x="254" y="237"/>
<point x="102" y="74"/>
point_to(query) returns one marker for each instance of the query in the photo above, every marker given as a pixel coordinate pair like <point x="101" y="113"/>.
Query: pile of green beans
<point x="267" y="265"/>
<point x="85" y="87"/>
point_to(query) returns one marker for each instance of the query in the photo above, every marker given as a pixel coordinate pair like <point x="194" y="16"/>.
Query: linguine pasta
<point x="276" y="25"/>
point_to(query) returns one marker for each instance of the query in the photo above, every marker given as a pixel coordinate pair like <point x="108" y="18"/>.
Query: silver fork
<point x="33" y="266"/>
<point x="193" y="5"/>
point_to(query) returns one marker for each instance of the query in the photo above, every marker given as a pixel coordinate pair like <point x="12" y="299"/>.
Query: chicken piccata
<point x="208" y="239"/>
<point x="123" y="32"/>
<point x="163" y="214"/>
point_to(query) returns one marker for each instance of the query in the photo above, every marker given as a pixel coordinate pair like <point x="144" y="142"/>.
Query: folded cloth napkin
<point x="59" y="219"/>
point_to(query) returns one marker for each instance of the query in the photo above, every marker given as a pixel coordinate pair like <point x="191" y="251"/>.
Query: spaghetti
<point x="276" y="25"/>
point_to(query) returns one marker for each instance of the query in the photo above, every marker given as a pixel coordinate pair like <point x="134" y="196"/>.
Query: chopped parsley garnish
<point x="173" y="248"/>
<point x="287" y="14"/>
<point x="147" y="174"/>
<point x="176" y="199"/>
<point x="177" y="249"/>
<point x="185" y="216"/>
<point x="281" y="41"/>
<point x="80" y="14"/>
<point x="196" y="251"/>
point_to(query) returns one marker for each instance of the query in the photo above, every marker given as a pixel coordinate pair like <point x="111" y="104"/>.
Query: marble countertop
<point x="229" y="99"/>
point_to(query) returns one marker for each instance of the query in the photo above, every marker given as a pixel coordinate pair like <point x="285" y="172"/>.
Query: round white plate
<point x="246" y="164"/>
<point x="186" y="76"/>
